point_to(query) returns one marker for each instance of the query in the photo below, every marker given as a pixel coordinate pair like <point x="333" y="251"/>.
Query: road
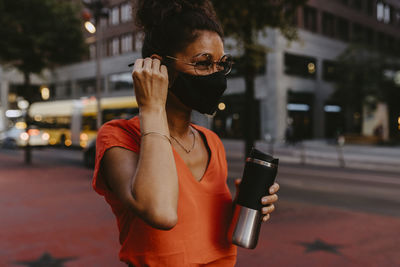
<point x="325" y="216"/>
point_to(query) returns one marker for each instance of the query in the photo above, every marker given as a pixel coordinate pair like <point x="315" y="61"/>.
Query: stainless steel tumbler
<point x="259" y="174"/>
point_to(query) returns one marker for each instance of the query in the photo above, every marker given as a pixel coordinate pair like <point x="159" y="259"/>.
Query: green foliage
<point x="360" y="77"/>
<point x="38" y="34"/>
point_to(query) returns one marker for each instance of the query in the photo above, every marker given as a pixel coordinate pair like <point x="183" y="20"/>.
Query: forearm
<point x="155" y="184"/>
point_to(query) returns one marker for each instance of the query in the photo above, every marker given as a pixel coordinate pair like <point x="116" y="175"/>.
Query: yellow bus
<point x="73" y="122"/>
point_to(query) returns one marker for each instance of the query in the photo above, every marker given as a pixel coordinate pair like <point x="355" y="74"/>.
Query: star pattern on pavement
<point x="46" y="260"/>
<point x="319" y="245"/>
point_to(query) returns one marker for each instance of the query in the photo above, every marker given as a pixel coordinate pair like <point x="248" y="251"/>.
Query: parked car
<point x="17" y="137"/>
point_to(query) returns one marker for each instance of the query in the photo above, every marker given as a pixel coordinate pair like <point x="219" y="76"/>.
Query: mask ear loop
<point x="172" y="74"/>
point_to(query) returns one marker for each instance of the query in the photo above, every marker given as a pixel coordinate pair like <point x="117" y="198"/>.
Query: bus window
<point x="89" y="123"/>
<point x="120" y="113"/>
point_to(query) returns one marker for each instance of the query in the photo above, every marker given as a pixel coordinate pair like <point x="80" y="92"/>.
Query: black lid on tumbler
<point x="257" y="154"/>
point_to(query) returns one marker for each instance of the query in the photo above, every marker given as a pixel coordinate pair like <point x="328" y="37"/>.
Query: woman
<point x="165" y="178"/>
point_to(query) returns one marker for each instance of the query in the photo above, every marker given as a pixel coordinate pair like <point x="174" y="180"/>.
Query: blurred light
<point x="235" y="116"/>
<point x="84" y="137"/>
<point x="33" y="132"/>
<point x="20" y="125"/>
<point x="311" y="67"/>
<point x="24" y="136"/>
<point x="398" y="119"/>
<point x="45" y="136"/>
<point x="397" y="78"/>
<point x="298" y="107"/>
<point x="221" y="106"/>
<point x="13" y="113"/>
<point x="332" y="108"/>
<point x="45" y="92"/>
<point x="83" y="143"/>
<point x="356" y="116"/>
<point x="52" y="141"/>
<point x="23" y="104"/>
<point x="90" y="27"/>
<point x="12" y="98"/>
<point x="68" y="142"/>
<point x="38" y="117"/>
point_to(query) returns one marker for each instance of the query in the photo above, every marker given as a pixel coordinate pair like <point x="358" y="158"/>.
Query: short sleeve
<point x="121" y="133"/>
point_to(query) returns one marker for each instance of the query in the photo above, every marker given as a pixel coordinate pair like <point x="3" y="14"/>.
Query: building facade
<point x="294" y="87"/>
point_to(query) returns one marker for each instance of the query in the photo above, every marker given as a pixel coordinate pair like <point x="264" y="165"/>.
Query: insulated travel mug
<point x="259" y="174"/>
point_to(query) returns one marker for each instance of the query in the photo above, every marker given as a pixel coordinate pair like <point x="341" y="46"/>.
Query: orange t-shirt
<point x="204" y="208"/>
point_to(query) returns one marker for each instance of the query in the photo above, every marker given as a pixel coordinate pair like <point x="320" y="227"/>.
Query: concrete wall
<point x="274" y="99"/>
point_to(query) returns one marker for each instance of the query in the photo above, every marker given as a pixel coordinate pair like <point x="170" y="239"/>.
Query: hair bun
<point x="151" y="13"/>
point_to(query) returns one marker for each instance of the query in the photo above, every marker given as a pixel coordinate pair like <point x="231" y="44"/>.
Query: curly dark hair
<point x="170" y="25"/>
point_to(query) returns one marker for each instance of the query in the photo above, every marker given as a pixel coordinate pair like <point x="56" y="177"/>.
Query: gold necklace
<point x="194" y="142"/>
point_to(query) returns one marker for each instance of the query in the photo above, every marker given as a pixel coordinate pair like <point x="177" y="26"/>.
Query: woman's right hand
<point x="151" y="83"/>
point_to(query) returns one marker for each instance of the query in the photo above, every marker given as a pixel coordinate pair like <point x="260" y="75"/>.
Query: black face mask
<point x="201" y="93"/>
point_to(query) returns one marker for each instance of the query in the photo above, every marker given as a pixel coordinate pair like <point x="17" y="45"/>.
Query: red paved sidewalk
<point x="362" y="239"/>
<point x="52" y="208"/>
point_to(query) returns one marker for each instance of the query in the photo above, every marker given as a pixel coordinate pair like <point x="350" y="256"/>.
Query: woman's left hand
<point x="266" y="201"/>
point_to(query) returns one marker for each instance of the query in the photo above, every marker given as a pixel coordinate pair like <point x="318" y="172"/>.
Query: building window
<point x="310" y="19"/>
<point x="139" y="41"/>
<point x="370" y="36"/>
<point x="391" y="42"/>
<point x="329" y="70"/>
<point x="86" y="86"/>
<point x="120" y="81"/>
<point x="387" y="14"/>
<point x="396" y="17"/>
<point x="382" y="40"/>
<point x="63" y="90"/>
<point x="342" y="29"/>
<point x="126" y="43"/>
<point x="126" y="12"/>
<point x="113" y="46"/>
<point x="239" y="68"/>
<point x="114" y="15"/>
<point x="328" y="24"/>
<point x="370" y="7"/>
<point x="300" y="66"/>
<point x="383" y="13"/>
<point x="359" y="33"/>
<point x="357" y="4"/>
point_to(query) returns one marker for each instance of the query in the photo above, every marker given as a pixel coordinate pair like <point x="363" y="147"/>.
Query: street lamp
<point x="98" y="10"/>
<point x="24" y="105"/>
<point x="90" y="27"/>
<point x="45" y="92"/>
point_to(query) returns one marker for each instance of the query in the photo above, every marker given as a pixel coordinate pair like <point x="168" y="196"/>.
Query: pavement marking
<point x="46" y="260"/>
<point x="320" y="245"/>
<point x="324" y="174"/>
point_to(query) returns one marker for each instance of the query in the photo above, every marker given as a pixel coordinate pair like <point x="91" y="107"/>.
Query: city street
<point x="326" y="216"/>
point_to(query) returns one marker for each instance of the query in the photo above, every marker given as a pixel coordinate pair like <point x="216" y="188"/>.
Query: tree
<point x="39" y="34"/>
<point x="244" y="20"/>
<point x="365" y="76"/>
